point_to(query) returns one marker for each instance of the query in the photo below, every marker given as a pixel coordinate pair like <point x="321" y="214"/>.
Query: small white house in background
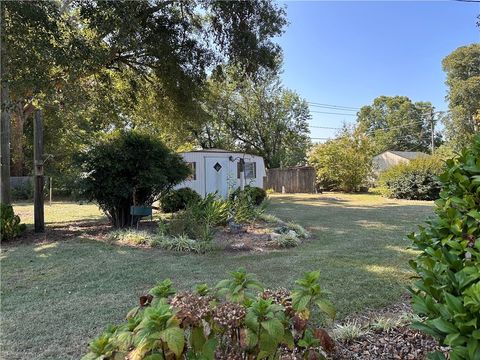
<point x="218" y="170"/>
<point x="387" y="159"/>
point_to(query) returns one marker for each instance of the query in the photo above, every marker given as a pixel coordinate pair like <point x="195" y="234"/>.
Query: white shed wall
<point x="385" y="160"/>
<point x="199" y="184"/>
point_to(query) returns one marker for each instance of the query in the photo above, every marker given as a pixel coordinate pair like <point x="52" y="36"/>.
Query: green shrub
<point x="447" y="293"/>
<point x="255" y="194"/>
<point x="237" y="318"/>
<point x="128" y="168"/>
<point x="200" y="218"/>
<point x="415" y="180"/>
<point x="176" y="200"/>
<point x="343" y="163"/>
<point x="10" y="223"/>
<point x="288" y="240"/>
<point x="243" y="210"/>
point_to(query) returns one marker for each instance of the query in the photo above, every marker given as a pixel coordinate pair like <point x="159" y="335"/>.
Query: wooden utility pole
<point x="432" y="122"/>
<point x="39" y="218"/>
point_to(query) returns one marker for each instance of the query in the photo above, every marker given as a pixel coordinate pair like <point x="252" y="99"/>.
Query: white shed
<point x="390" y="158"/>
<point x="219" y="170"/>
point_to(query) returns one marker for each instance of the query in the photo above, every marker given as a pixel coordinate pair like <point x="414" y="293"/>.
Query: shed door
<point x="216" y="175"/>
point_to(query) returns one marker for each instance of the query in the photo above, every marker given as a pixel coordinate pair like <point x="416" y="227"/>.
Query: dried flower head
<point x="192" y="308"/>
<point x="280" y="297"/>
<point x="229" y="315"/>
<point x="230" y="355"/>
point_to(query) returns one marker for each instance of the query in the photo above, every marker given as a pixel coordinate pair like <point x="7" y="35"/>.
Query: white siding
<point x="199" y="184"/>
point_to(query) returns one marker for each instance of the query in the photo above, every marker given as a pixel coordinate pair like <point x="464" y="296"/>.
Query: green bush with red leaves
<point x="237" y="319"/>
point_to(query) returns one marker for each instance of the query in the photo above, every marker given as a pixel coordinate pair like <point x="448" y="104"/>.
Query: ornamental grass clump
<point x="235" y="320"/>
<point x="447" y="292"/>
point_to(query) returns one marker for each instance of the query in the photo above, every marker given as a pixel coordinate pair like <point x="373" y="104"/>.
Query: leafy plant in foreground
<point x="207" y="325"/>
<point x="239" y="287"/>
<point x="447" y="292"/>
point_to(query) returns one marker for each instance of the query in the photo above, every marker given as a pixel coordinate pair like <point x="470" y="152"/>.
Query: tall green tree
<point x="258" y="116"/>
<point x="397" y="123"/>
<point x="462" y="67"/>
<point x="92" y="65"/>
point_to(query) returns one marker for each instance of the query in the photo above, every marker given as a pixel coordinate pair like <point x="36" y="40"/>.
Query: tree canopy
<point x="462" y="67"/>
<point x="397" y="123"/>
<point x="94" y="66"/>
<point x="258" y="116"/>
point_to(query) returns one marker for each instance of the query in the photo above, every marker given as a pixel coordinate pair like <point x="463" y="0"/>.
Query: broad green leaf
<point x="289" y="340"/>
<point x="327" y="308"/>
<point x="208" y="350"/>
<point x="473" y="349"/>
<point x="443" y="326"/>
<point x="454" y="339"/>
<point x="174" y="338"/>
<point x="425" y="328"/>
<point x="437" y="355"/>
<point x="300" y="301"/>
<point x="274" y="328"/>
<point x="197" y="338"/>
<point x="268" y="345"/>
<point x="251" y="338"/>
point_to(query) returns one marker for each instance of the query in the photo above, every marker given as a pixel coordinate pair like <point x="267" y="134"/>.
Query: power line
<point x="340" y="107"/>
<point x="325" y="127"/>
<point x="320" y="138"/>
<point x="331" y="113"/>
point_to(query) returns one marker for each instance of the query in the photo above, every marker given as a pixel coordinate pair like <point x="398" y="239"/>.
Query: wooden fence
<point x="291" y="180"/>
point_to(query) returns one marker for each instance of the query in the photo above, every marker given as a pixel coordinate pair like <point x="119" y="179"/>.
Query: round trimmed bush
<point x="177" y="200"/>
<point x="415" y="180"/>
<point x="256" y="194"/>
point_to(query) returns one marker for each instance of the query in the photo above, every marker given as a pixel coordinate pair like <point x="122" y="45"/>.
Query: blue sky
<point x="348" y="53"/>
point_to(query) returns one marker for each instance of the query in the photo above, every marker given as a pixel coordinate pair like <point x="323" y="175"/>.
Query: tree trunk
<point x="5" y="122"/>
<point x="18" y="140"/>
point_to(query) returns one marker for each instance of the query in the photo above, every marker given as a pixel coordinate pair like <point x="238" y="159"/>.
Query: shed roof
<point x="409" y="154"/>
<point x="223" y="151"/>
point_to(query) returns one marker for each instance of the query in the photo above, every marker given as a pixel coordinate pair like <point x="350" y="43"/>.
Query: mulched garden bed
<point x="401" y="342"/>
<point x="253" y="237"/>
<point x="397" y="343"/>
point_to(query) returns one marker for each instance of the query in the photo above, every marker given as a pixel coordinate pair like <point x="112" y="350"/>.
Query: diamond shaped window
<point x="217" y="167"/>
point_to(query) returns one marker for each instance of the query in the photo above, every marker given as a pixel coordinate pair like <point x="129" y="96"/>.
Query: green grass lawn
<point x="57" y="296"/>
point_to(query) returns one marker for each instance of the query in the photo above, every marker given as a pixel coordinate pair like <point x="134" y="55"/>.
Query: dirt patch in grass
<point x="254" y="237"/>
